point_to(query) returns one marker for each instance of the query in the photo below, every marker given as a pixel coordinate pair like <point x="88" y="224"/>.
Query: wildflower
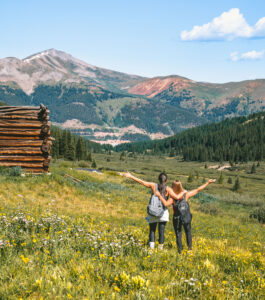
<point x="116" y="289"/>
<point x="24" y="259"/>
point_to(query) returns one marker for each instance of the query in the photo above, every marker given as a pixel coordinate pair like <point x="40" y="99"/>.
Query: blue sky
<point x="148" y="38"/>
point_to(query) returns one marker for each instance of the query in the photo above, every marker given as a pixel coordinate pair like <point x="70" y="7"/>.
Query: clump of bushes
<point x="14" y="171"/>
<point x="209" y="208"/>
<point x="259" y="214"/>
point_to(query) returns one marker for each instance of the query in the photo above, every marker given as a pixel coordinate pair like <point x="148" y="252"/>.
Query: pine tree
<point x="258" y="164"/>
<point x="122" y="156"/>
<point x="205" y="166"/>
<point x="89" y="156"/>
<point x="63" y="144"/>
<point x="236" y="186"/>
<point x="171" y="153"/>
<point x="203" y="180"/>
<point x="94" y="165"/>
<point x="229" y="180"/>
<point x="80" y="149"/>
<point x="221" y="179"/>
<point x="253" y="169"/>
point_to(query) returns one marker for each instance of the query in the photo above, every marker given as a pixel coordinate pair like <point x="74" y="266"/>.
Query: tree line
<point x="238" y="139"/>
<point x="72" y="147"/>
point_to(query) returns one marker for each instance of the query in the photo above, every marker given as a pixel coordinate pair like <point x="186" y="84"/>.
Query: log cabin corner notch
<point x="25" y="138"/>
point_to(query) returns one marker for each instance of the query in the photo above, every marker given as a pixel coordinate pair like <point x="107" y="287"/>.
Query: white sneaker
<point x="160" y="246"/>
<point x="152" y="245"/>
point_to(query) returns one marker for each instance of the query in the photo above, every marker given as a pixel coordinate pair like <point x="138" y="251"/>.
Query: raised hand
<point x="127" y="174"/>
<point x="211" y="180"/>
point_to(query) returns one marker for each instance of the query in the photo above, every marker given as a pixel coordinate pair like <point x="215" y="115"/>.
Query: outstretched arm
<point x="142" y="182"/>
<point x="200" y="188"/>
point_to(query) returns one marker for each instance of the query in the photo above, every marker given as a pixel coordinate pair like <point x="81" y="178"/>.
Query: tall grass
<point x="88" y="240"/>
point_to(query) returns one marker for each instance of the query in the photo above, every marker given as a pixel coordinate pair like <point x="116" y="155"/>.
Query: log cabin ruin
<point x="25" y="138"/>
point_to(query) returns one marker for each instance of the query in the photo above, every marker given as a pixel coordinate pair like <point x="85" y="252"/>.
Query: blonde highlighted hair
<point x="177" y="187"/>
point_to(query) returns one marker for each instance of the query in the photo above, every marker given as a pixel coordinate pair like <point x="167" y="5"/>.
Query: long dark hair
<point x="162" y="178"/>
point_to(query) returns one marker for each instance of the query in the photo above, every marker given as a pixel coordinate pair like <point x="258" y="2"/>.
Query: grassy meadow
<point x="81" y="235"/>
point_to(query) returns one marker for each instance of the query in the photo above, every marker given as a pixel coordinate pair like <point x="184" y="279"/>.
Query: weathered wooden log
<point x="23" y="151"/>
<point x="7" y="137"/>
<point x="22" y="137"/>
<point x="25" y="138"/>
<point x="20" y="143"/>
<point x="45" y="148"/>
<point x="22" y="132"/>
<point x="22" y="124"/>
<point x="21" y="164"/>
<point x="22" y="112"/>
<point x="24" y="158"/>
<point x="17" y="108"/>
<point x="45" y="128"/>
<point x="24" y="117"/>
<point x="46" y="162"/>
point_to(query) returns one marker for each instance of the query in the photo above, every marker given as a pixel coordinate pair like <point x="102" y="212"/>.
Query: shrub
<point x="14" y="171"/>
<point x="259" y="214"/>
<point x="230" y="181"/>
<point x="205" y="198"/>
<point x="94" y="165"/>
<point x="209" y="208"/>
<point x="236" y="186"/>
<point x="84" y="164"/>
<point x="221" y="178"/>
<point x="253" y="169"/>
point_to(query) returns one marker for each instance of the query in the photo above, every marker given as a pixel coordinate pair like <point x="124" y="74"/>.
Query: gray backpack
<point x="155" y="207"/>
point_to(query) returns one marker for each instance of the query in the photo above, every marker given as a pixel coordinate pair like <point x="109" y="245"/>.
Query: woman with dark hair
<point x="153" y="221"/>
<point x="178" y="220"/>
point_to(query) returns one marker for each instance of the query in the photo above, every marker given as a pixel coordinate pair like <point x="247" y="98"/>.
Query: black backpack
<point x="183" y="210"/>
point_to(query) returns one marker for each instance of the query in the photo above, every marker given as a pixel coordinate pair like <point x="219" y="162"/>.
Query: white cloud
<point x="228" y="26"/>
<point x="251" y="55"/>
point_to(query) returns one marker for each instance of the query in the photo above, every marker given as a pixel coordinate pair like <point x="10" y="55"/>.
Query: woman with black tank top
<point x="164" y="191"/>
<point x="177" y="220"/>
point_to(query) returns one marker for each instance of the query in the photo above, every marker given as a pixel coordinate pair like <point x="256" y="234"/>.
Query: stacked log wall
<point x="25" y="138"/>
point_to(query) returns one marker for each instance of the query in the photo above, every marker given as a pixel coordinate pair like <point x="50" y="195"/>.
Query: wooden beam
<point x="20" y="143"/>
<point x="23" y="158"/>
<point x="23" y="112"/>
<point x="22" y="117"/>
<point x="22" y="132"/>
<point x="17" y="108"/>
<point x="24" y="151"/>
<point x="21" y="164"/>
<point x="6" y="137"/>
<point x="23" y="124"/>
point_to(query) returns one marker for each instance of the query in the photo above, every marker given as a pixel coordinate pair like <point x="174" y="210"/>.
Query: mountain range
<point x="114" y="107"/>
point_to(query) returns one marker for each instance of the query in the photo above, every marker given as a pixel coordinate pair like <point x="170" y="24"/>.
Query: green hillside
<point x="95" y="105"/>
<point x="236" y="139"/>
